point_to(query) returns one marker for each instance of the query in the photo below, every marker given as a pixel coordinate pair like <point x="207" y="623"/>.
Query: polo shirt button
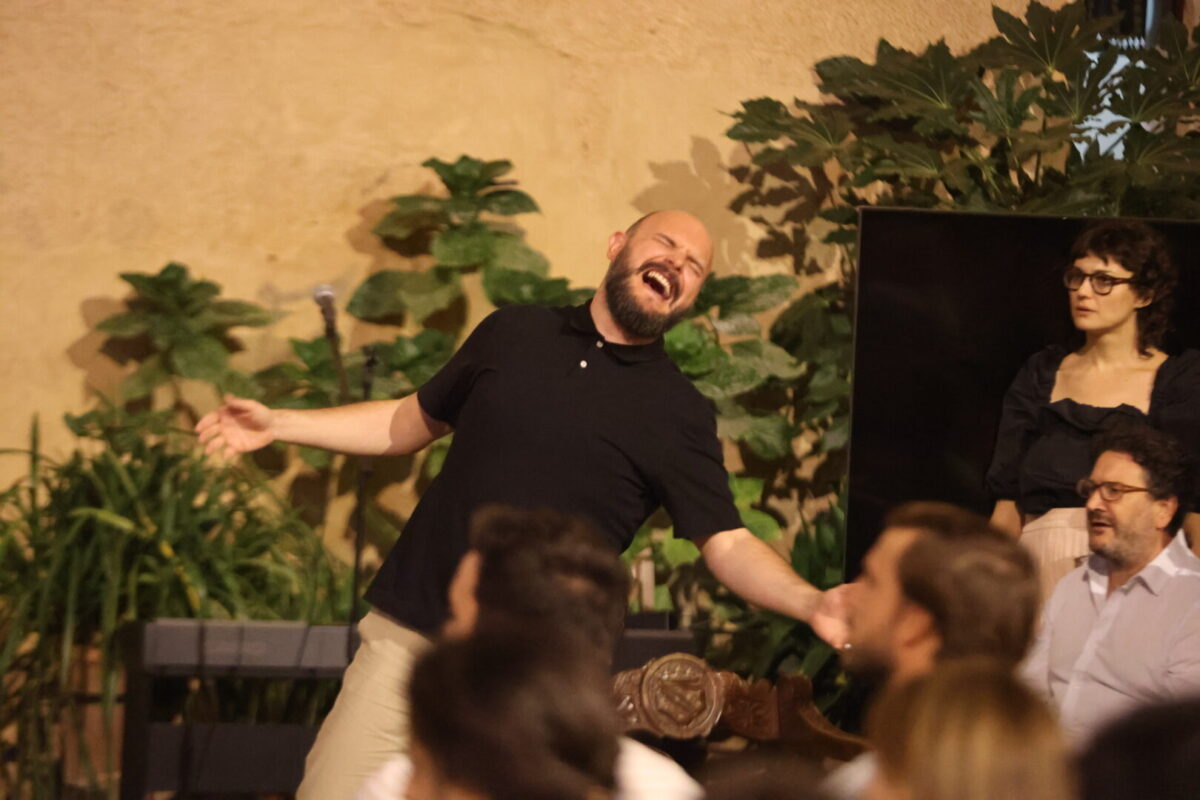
<point x="599" y="343"/>
<point x="583" y="364"/>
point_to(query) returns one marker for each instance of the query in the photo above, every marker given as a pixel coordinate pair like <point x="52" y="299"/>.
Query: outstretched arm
<point x="1006" y="517"/>
<point x="749" y="567"/>
<point x="381" y="427"/>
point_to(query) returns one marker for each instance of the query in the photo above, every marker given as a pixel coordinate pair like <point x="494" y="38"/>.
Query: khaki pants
<point x="369" y="720"/>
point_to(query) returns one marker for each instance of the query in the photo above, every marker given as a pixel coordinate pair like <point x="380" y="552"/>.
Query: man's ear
<point x="464" y="605"/>
<point x="914" y="625"/>
<point x="615" y="243"/>
<point x="1164" y="509"/>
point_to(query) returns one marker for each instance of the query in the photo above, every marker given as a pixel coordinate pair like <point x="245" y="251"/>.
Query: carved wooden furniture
<point x="679" y="696"/>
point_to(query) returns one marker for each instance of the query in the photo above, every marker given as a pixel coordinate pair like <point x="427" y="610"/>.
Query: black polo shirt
<point x="546" y="413"/>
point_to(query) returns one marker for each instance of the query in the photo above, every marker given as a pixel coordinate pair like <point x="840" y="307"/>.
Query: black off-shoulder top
<point x="1044" y="448"/>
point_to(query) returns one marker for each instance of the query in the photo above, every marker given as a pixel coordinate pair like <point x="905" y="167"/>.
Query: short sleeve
<point x="1018" y="425"/>
<point x="443" y="395"/>
<point x="692" y="481"/>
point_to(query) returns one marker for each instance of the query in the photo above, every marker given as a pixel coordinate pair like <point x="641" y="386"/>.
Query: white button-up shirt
<point x="1098" y="655"/>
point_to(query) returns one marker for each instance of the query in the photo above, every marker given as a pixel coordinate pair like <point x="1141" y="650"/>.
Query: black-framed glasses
<point x="1110" y="491"/>
<point x="1102" y="282"/>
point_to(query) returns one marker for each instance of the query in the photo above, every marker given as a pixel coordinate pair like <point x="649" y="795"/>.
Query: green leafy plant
<point x="460" y="234"/>
<point x="180" y="329"/>
<point x="1050" y="116"/>
<point x="133" y="525"/>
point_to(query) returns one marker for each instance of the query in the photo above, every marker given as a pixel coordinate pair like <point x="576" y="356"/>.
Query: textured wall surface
<point x="256" y="141"/>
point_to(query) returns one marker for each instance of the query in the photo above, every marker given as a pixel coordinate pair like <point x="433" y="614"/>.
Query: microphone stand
<point x="331" y="335"/>
<point x="324" y="298"/>
<point x="365" y="468"/>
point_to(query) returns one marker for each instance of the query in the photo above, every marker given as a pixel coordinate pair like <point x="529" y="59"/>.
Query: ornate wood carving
<point x="679" y="696"/>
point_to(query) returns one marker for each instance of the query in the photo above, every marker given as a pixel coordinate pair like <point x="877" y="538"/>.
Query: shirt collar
<point x="1174" y="560"/>
<point x="580" y="320"/>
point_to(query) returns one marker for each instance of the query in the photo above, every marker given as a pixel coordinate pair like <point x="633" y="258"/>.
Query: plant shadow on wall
<point x="1050" y="116"/>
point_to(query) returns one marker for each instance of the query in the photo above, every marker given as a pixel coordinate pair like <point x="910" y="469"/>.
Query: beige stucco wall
<point x="255" y="141"/>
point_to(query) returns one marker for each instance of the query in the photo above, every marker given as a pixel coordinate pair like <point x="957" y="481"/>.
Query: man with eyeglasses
<point x="1123" y="629"/>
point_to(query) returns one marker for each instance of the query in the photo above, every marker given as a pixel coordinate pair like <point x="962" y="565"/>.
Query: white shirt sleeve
<point x="389" y="782"/>
<point x="644" y="774"/>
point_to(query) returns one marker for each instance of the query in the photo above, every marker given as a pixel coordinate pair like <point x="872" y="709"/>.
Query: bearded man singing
<point x="575" y="409"/>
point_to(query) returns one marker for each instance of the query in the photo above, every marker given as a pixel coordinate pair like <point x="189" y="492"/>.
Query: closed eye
<point x="692" y="261"/>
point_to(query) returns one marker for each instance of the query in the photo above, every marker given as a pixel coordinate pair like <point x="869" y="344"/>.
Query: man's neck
<point x="1121" y="574"/>
<point x="913" y="663"/>
<point x="603" y="319"/>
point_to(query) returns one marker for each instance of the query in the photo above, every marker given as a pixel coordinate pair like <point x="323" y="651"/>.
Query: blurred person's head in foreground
<point x="539" y="569"/>
<point x="968" y="730"/>
<point x="939" y="583"/>
<point x="762" y="776"/>
<point x="502" y="716"/>
<point x="1153" y="752"/>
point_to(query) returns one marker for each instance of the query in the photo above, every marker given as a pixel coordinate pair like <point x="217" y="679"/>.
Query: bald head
<point x="656" y="268"/>
<point x="680" y="222"/>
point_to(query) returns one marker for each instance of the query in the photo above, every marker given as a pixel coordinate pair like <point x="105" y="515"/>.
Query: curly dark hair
<point x="1143" y="251"/>
<point x="1167" y="465"/>
<point x="516" y="716"/>
<point x="542" y="568"/>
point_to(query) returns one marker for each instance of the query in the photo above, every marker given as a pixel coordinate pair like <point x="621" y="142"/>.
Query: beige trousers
<point x="369" y="720"/>
<point x="1058" y="542"/>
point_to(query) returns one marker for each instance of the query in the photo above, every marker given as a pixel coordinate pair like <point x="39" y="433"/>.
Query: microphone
<point x="323" y="296"/>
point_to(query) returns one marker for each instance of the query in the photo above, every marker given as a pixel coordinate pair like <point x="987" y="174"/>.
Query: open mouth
<point x="660" y="282"/>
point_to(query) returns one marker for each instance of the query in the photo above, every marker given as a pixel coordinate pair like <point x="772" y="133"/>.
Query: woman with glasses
<point x="1119" y="287"/>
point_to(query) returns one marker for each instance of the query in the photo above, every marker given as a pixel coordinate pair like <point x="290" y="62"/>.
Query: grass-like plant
<point x="133" y="525"/>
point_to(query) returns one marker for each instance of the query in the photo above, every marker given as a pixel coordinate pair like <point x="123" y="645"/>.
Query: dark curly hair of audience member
<point x="556" y="570"/>
<point x="1143" y="251"/>
<point x="1167" y="465"/>
<point x="510" y="718"/>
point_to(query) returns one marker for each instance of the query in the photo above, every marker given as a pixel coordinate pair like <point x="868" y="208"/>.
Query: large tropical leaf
<point x="927" y="89"/>
<point x="1046" y="43"/>
<point x="464" y="245"/>
<point x="390" y="294"/>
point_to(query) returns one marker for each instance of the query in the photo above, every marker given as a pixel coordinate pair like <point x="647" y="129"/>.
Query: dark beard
<point x="635" y="320"/>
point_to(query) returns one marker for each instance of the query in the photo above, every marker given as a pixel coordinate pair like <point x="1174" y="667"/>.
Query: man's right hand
<point x="238" y="426"/>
